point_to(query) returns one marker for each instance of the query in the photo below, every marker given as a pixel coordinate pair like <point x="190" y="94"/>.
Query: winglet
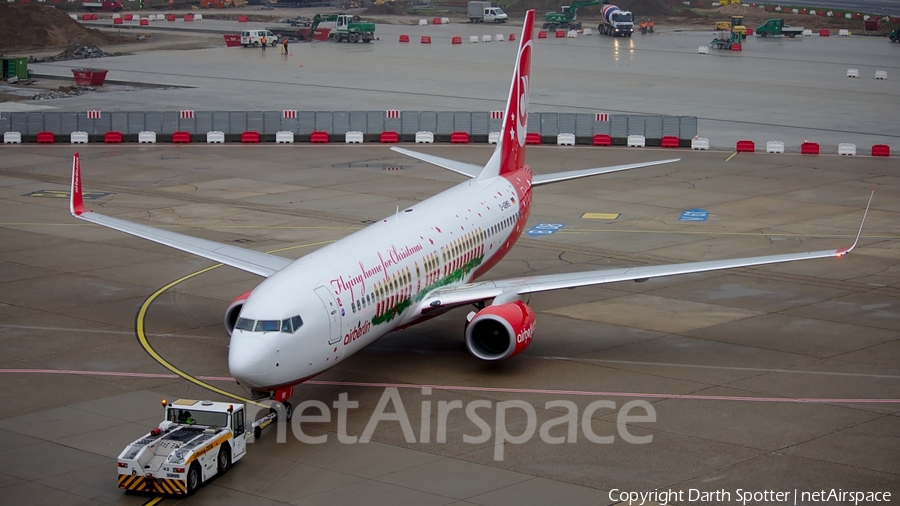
<point x="843" y="251"/>
<point x="76" y="202"/>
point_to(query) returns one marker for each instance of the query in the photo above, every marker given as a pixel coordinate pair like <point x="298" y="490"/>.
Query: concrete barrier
<point x="881" y="74"/>
<point x="571" y="34"/>
<point x="881" y="150"/>
<point x="498" y="37"/>
<point x="14" y="138"/>
<point x="565" y="140"/>
<point x="78" y="137"/>
<point x="146" y="137"/>
<point x="215" y="137"/>
<point x="284" y="137"/>
<point x="852" y="72"/>
<point x="809" y="148"/>
<point x="354" y="137"/>
<point x="843" y="32"/>
<point x="774" y="147"/>
<point x="423" y="22"/>
<point x="745" y="146"/>
<point x="703" y="50"/>
<point x="445" y="21"/>
<point x="485" y="38"/>
<point x="587" y="31"/>
<point x="423" y="137"/>
<point x="847" y="149"/>
<point x="473" y="39"/>
<point x="701" y="143"/>
<point x="637" y="141"/>
<point x="602" y="140"/>
<point x="493" y="137"/>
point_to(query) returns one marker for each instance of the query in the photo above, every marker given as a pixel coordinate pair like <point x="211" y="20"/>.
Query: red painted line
<point x="460" y="388"/>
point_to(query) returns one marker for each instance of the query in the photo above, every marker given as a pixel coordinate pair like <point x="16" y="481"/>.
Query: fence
<point x="405" y="123"/>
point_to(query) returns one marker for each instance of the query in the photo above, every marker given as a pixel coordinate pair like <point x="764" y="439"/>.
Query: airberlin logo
<point x="525" y="336"/>
<point x="359" y="331"/>
<point x="523" y="88"/>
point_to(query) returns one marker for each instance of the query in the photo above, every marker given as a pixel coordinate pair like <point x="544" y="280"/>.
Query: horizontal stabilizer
<point x="575" y="174"/>
<point x="466" y="169"/>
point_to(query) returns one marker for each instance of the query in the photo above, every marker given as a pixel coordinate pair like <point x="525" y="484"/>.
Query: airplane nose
<point x="249" y="359"/>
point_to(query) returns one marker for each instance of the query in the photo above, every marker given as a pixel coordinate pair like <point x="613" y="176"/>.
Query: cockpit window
<point x="268" y="326"/>
<point x="287" y="326"/>
<point x="244" y="324"/>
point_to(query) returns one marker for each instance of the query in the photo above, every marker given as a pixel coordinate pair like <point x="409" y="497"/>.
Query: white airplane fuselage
<point x="350" y="293"/>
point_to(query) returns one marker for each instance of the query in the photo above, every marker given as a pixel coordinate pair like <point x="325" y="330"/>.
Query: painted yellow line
<point x="599" y="216"/>
<point x="732" y="156"/>
<point x="141" y="320"/>
<point x="154" y="501"/>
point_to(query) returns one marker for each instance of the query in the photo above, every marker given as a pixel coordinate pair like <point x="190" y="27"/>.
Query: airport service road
<point x="760" y="379"/>
<point x="776" y="89"/>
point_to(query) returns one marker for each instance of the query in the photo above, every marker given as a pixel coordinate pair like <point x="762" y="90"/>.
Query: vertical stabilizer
<point x="509" y="155"/>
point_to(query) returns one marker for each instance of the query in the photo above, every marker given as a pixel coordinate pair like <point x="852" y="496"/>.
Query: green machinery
<point x="347" y="28"/>
<point x="727" y="40"/>
<point x="895" y="35"/>
<point x="565" y="19"/>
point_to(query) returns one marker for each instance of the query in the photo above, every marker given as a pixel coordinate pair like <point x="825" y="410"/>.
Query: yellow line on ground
<point x="154" y="501"/>
<point x="711" y="233"/>
<point x="732" y="156"/>
<point x="140" y="323"/>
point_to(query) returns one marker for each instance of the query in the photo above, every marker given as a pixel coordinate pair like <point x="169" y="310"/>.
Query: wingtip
<point x="76" y="200"/>
<point x="843" y="251"/>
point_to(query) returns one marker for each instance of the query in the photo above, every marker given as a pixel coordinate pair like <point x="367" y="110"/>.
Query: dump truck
<point x="565" y="19"/>
<point x="484" y="12"/>
<point x="195" y="441"/>
<point x="616" y="22"/>
<point x="776" y="27"/>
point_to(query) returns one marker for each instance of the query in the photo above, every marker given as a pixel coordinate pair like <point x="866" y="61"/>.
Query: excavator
<point x="565" y="18"/>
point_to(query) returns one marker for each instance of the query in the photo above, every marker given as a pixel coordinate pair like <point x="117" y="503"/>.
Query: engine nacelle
<point x="234" y="310"/>
<point x="502" y="331"/>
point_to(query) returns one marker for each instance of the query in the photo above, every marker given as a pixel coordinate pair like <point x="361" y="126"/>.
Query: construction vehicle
<point x="484" y="12"/>
<point x="221" y="4"/>
<point x="565" y="18"/>
<point x="616" y="22"/>
<point x="727" y="40"/>
<point x="776" y="27"/>
<point x="195" y="441"/>
<point x="735" y="24"/>
<point x="895" y="35"/>
<point x="346" y="28"/>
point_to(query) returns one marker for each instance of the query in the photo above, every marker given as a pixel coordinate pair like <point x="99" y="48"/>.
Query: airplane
<point x="309" y="314"/>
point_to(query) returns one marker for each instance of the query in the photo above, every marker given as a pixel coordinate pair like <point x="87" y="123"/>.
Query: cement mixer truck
<point x="616" y="22"/>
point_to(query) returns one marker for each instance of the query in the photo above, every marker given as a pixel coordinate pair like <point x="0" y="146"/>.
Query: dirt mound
<point x="390" y="8"/>
<point x="37" y="26"/>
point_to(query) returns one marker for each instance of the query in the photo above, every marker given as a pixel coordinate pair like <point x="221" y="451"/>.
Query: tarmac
<point x="779" y="378"/>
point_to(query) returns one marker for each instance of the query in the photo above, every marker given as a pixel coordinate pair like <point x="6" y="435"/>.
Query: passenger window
<point x="353" y="306"/>
<point x="296" y="323"/>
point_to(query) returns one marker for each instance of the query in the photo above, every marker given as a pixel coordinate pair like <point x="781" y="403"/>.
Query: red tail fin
<point x="515" y="129"/>
<point x="76" y="202"/>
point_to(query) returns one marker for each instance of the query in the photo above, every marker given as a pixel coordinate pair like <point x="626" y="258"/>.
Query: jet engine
<point x="501" y="331"/>
<point x="234" y="310"/>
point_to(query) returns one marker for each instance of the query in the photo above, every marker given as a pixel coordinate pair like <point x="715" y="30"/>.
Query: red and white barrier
<point x="94" y="114"/>
<point x="187" y="114"/>
<point x="392" y="114"/>
<point x="601" y="116"/>
<point x="496" y="114"/>
<point x="289" y="114"/>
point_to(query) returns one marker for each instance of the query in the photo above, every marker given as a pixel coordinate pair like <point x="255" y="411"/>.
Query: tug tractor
<point x="196" y="441"/>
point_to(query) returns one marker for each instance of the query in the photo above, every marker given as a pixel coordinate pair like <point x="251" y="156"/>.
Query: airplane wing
<point x="466" y="169"/>
<point x="261" y="264"/>
<point x="540" y="179"/>
<point x="512" y="289"/>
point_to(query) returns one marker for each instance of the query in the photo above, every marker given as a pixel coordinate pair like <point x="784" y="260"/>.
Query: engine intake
<point x="234" y="310"/>
<point x="502" y="331"/>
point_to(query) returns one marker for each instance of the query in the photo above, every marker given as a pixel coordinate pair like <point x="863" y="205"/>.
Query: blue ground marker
<point x="544" y="229"/>
<point x="694" y="215"/>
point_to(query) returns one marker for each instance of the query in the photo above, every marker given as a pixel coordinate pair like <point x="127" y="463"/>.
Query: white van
<point x="254" y="38"/>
